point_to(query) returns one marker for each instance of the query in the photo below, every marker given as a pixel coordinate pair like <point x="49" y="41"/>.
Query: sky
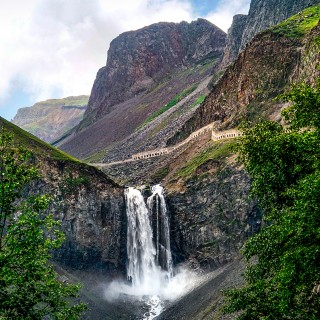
<point x="54" y="48"/>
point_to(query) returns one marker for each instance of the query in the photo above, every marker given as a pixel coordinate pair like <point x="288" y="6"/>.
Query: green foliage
<point x="283" y="259"/>
<point x="305" y="111"/>
<point x="171" y="103"/>
<point x="298" y="25"/>
<point x="216" y="151"/>
<point x="71" y="183"/>
<point x="29" y="287"/>
<point x="161" y="174"/>
<point x="198" y="101"/>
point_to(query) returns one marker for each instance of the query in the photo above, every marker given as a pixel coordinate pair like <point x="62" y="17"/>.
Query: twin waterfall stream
<point x="151" y="283"/>
<point x="149" y="265"/>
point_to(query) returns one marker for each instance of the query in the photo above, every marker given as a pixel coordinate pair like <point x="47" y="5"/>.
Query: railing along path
<point x="215" y="136"/>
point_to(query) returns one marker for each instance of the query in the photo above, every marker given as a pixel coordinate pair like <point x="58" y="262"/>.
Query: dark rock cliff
<point x="91" y="209"/>
<point x="137" y="60"/>
<point x="89" y="205"/>
<point x="262" y="14"/>
<point x="212" y="218"/>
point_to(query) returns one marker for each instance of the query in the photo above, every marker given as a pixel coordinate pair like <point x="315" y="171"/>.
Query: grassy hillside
<point x="298" y="25"/>
<point x="34" y="144"/>
<point x="68" y="101"/>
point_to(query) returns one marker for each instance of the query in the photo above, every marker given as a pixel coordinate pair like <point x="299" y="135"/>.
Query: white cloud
<point x="57" y="46"/>
<point x="54" y="48"/>
<point x="226" y="9"/>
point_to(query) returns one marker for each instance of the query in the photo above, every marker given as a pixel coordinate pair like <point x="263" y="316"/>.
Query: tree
<point x="283" y="259"/>
<point x="29" y="286"/>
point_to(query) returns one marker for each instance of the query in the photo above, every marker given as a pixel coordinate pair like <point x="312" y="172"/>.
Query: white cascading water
<point x="149" y="265"/>
<point x="149" y="254"/>
<point x="162" y="240"/>
<point x="141" y="266"/>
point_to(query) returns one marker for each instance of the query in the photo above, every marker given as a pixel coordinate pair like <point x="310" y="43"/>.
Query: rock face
<point x="234" y="38"/>
<point x="50" y="119"/>
<point x="137" y="60"/>
<point x="212" y="218"/>
<point x="266" y="68"/>
<point x="262" y="15"/>
<point x="91" y="209"/>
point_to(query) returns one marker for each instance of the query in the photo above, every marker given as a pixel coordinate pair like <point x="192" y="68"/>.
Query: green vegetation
<point x="171" y="103"/>
<point x="29" y="286"/>
<point x="298" y="25"/>
<point x="96" y="157"/>
<point x="160" y="174"/>
<point x="198" y="101"/>
<point x="69" y="101"/>
<point x="71" y="182"/>
<point x="216" y="151"/>
<point x="283" y="259"/>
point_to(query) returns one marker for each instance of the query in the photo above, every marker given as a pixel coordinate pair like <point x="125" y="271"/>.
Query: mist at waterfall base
<point x="150" y="274"/>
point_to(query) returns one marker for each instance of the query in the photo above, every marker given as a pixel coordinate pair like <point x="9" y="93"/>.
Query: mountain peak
<point x="138" y="60"/>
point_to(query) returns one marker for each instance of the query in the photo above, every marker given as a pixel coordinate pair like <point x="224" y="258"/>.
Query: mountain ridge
<point x="49" y="119"/>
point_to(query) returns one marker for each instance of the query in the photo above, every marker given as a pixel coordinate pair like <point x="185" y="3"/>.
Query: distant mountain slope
<point x="146" y="70"/>
<point x="49" y="119"/>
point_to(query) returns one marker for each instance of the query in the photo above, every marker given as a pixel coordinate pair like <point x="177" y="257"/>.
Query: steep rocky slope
<point x="89" y="205"/>
<point x="154" y="134"/>
<point x="262" y="15"/>
<point x="274" y="59"/>
<point x="137" y="60"/>
<point x="146" y="70"/>
<point x="50" y="119"/>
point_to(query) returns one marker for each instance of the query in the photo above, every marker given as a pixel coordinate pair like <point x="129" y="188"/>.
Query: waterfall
<point x="148" y="240"/>
<point x="149" y="259"/>
<point x="158" y="210"/>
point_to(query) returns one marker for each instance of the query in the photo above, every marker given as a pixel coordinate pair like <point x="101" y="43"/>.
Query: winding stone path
<point x="215" y="136"/>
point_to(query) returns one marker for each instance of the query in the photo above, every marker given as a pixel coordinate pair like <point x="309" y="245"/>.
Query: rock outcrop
<point x="262" y="14"/>
<point x="50" y="119"/>
<point x="92" y="212"/>
<point x="212" y="217"/>
<point x="137" y="60"/>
